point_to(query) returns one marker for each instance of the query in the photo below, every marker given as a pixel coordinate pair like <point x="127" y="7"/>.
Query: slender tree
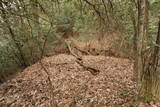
<point x="148" y="74"/>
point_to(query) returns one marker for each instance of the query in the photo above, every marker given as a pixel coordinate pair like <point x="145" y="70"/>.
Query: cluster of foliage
<point x="25" y="27"/>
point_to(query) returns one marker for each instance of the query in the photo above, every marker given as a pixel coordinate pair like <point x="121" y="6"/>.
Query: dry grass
<point x="111" y="44"/>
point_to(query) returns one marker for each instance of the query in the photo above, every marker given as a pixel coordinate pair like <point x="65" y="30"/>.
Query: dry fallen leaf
<point x="113" y="86"/>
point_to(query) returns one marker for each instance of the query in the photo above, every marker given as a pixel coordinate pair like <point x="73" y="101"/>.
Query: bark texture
<point x="148" y="73"/>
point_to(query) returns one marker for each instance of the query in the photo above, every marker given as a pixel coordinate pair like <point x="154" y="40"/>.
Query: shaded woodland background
<point x="25" y="25"/>
<point x="33" y="29"/>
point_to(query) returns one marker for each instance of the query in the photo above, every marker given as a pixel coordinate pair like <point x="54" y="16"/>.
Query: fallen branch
<point x="93" y="71"/>
<point x="51" y="87"/>
<point x="83" y="51"/>
<point x="72" y="53"/>
<point x="79" y="60"/>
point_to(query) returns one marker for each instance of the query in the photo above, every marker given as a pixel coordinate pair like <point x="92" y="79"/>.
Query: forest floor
<point x="72" y="84"/>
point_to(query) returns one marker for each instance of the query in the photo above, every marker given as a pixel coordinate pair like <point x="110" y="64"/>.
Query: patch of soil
<point x="112" y="87"/>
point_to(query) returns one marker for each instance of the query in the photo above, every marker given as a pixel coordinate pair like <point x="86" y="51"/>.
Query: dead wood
<point x="51" y="86"/>
<point x="79" y="49"/>
<point x="79" y="60"/>
<point x="82" y="51"/>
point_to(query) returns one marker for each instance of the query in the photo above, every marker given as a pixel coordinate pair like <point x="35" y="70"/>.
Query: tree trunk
<point x="150" y="78"/>
<point x="148" y="75"/>
<point x="134" y="22"/>
<point x="155" y="63"/>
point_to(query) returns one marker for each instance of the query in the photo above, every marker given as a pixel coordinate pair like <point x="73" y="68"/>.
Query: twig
<point x="70" y="50"/>
<point x="51" y="86"/>
<point x="53" y="103"/>
<point x="95" y="9"/>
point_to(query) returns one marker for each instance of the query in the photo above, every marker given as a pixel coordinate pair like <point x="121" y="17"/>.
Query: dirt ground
<point x="72" y="84"/>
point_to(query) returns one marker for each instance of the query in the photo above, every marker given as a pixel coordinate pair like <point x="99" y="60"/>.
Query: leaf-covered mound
<point x="72" y="84"/>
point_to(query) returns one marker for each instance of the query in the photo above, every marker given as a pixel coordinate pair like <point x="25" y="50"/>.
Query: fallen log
<point x="79" y="60"/>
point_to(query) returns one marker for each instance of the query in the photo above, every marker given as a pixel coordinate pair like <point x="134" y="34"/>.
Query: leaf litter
<point x="112" y="87"/>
